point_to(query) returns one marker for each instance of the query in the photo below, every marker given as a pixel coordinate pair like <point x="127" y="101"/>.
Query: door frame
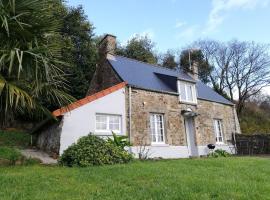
<point x="191" y="136"/>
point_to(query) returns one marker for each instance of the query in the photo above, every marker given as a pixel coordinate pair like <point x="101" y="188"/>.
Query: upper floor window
<point x="157" y="128"/>
<point x="187" y="92"/>
<point x="218" y="131"/>
<point x="108" y="123"/>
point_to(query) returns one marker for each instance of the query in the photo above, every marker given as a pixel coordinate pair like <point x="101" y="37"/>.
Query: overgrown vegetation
<point x="93" y="150"/>
<point x="15" y="139"/>
<point x="10" y="144"/>
<point x="255" y="118"/>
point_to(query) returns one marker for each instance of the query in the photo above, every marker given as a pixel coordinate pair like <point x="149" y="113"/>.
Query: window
<point x="157" y="128"/>
<point x="108" y="123"/>
<point x="218" y="131"/>
<point x="187" y="92"/>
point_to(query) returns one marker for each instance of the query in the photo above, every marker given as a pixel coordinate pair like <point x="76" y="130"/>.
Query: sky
<point x="173" y="24"/>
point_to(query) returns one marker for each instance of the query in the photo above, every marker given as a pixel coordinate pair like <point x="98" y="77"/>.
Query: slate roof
<point x="156" y="78"/>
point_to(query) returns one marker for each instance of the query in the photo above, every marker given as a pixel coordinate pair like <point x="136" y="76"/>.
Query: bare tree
<point x="241" y="69"/>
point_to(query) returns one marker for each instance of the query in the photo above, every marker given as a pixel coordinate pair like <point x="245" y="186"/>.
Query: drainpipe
<point x="129" y="111"/>
<point x="235" y="127"/>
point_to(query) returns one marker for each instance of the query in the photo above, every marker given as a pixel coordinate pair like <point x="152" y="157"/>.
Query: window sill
<point x="220" y="144"/>
<point x="159" y="145"/>
<point x="107" y="132"/>
<point x="189" y="103"/>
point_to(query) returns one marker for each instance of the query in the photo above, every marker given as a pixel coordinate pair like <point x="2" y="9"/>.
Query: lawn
<point x="222" y="178"/>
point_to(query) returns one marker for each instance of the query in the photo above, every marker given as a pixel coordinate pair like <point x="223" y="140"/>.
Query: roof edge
<point x="88" y="99"/>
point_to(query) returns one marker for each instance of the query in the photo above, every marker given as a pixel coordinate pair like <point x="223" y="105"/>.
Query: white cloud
<point x="179" y="24"/>
<point x="188" y="33"/>
<point x="220" y="8"/>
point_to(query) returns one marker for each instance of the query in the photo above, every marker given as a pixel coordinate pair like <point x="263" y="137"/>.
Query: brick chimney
<point x="107" y="45"/>
<point x="193" y="70"/>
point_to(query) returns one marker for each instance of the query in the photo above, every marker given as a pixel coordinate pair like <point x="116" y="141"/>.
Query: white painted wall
<point x="168" y="151"/>
<point x="81" y="121"/>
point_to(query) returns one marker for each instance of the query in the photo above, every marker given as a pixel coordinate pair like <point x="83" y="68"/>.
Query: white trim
<point x="108" y="130"/>
<point x="154" y="115"/>
<point x="193" y="92"/>
<point x="218" y="130"/>
<point x="171" y="151"/>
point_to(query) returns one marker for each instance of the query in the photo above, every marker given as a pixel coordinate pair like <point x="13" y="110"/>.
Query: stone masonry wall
<point x="48" y="139"/>
<point x="145" y="102"/>
<point x="103" y="78"/>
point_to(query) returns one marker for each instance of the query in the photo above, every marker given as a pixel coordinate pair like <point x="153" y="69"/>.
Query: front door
<point x="190" y="134"/>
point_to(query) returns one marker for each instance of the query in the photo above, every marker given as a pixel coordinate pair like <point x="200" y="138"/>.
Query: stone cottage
<point x="165" y="113"/>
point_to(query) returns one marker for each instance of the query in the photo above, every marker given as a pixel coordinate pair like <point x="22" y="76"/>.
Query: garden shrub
<point x="92" y="150"/>
<point x="119" y="140"/>
<point x="10" y="154"/>
<point x="219" y="153"/>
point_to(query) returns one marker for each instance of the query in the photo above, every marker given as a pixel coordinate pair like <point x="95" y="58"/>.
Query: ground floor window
<point x="157" y="128"/>
<point x="218" y="131"/>
<point x="108" y="123"/>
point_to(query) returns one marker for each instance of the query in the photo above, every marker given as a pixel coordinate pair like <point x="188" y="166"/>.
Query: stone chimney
<point x="107" y="45"/>
<point x="193" y="70"/>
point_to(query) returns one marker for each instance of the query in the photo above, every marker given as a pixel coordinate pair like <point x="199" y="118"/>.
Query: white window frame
<point x="193" y="90"/>
<point x="108" y="130"/>
<point x="155" y="116"/>
<point x="218" y="130"/>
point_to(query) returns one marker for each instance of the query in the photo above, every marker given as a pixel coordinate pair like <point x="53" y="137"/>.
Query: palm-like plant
<point x="30" y="58"/>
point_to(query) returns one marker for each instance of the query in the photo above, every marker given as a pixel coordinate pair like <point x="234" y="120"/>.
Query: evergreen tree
<point x="140" y="48"/>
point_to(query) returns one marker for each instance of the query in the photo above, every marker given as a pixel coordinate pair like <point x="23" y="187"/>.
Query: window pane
<point x="218" y="130"/>
<point x="101" y="122"/>
<point x="157" y="129"/>
<point x="108" y="122"/>
<point x="101" y="118"/>
<point x="183" y="92"/>
<point x="189" y="92"/>
<point x="114" y="123"/>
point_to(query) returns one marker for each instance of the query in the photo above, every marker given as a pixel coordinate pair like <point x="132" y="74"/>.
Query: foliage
<point x="240" y="69"/>
<point x="93" y="150"/>
<point x="79" y="49"/>
<point x="255" y="118"/>
<point x="140" y="48"/>
<point x="219" y="153"/>
<point x="31" y="65"/>
<point x="10" y="154"/>
<point x="168" y="60"/>
<point x="190" y="57"/>
<point x="15" y="139"/>
<point x="120" y="141"/>
<point x="190" y="179"/>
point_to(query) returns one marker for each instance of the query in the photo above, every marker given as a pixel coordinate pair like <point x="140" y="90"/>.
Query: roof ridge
<point x="152" y="65"/>
<point x="88" y="99"/>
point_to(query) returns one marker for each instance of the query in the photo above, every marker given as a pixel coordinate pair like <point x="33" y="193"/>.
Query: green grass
<point x="222" y="178"/>
<point x="9" y="153"/>
<point x="14" y="139"/>
<point x="10" y="143"/>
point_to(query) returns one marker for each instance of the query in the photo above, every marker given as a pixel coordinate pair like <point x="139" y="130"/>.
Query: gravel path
<point x="44" y="157"/>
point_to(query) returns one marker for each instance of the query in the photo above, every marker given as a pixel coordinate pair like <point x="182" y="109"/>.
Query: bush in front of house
<point x="92" y="150"/>
<point x="219" y="153"/>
